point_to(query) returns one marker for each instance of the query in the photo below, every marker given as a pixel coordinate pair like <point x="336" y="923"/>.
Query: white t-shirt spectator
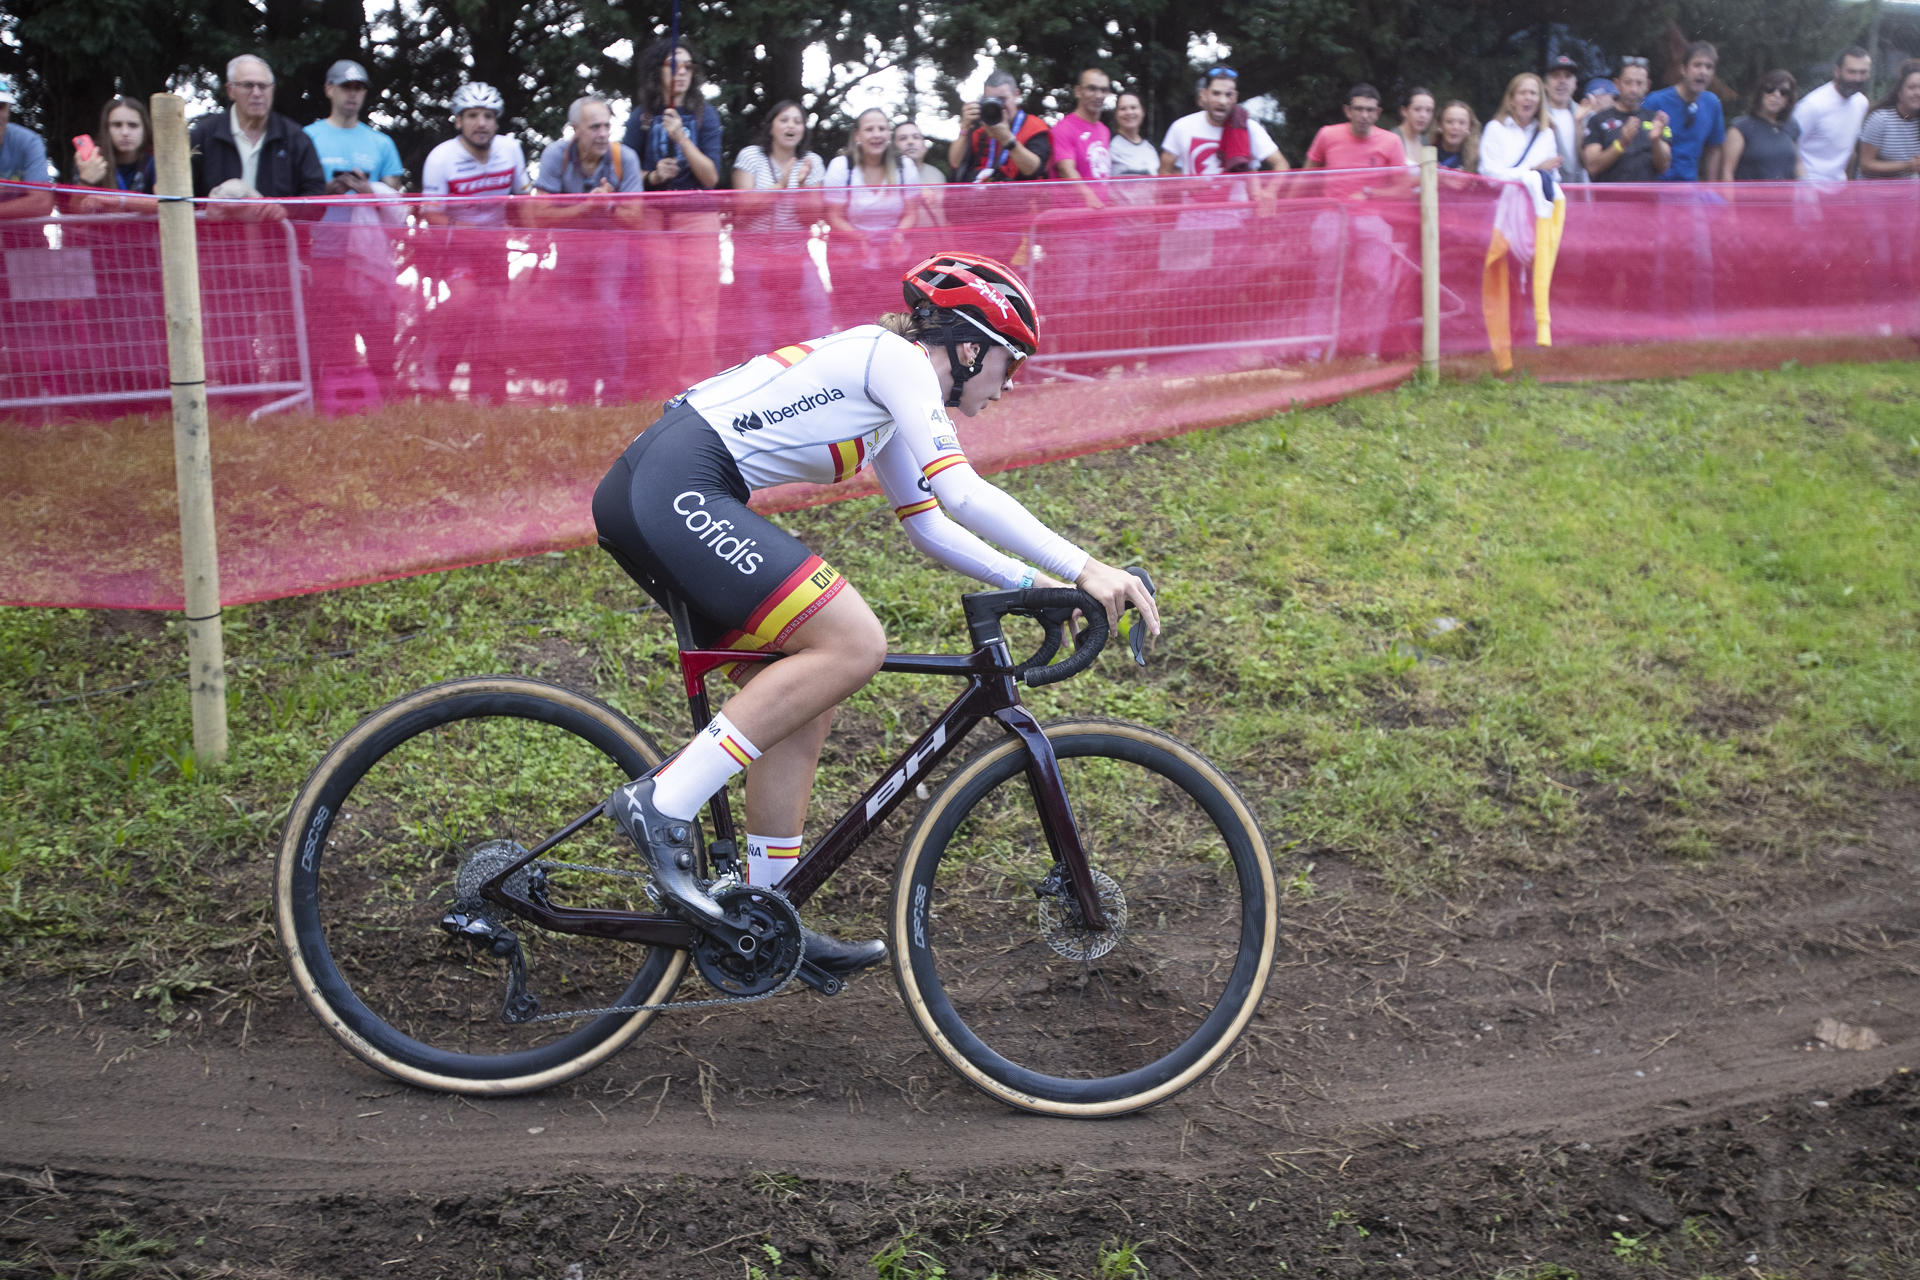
<point x="1195" y="144"/>
<point x="1132" y="159"/>
<point x="872" y="209"/>
<point x="1829" y="127"/>
<point x="451" y="170"/>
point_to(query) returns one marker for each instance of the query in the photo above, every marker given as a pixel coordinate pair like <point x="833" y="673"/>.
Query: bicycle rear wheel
<point x="1056" y="1019"/>
<point x="465" y="775"/>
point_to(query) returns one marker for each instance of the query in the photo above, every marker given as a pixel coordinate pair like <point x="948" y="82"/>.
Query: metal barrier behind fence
<point x="84" y="323"/>
<point x="1216" y="280"/>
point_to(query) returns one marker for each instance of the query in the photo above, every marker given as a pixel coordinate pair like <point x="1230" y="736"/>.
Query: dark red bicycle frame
<point x="992" y="692"/>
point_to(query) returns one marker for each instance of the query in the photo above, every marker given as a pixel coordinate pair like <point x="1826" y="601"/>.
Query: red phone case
<point x="83" y="147"/>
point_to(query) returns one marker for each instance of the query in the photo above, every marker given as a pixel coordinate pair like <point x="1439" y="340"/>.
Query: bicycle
<point x="1082" y="919"/>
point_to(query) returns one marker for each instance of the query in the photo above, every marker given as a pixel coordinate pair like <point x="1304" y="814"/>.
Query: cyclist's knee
<point x="870" y="648"/>
<point x="848" y="631"/>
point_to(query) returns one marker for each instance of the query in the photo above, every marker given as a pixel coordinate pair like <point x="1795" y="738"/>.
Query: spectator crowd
<point x="1573" y="127"/>
<point x="1616" y="127"/>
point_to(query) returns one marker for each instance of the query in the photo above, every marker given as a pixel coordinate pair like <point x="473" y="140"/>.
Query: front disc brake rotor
<point x="1065" y="929"/>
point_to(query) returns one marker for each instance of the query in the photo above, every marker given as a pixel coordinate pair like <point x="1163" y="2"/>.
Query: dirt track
<point x="1430" y="1090"/>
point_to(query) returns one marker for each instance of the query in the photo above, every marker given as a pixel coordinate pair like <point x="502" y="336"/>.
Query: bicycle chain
<point x="516" y="974"/>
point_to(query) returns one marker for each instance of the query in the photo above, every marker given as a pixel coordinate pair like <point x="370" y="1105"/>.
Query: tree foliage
<point x="70" y="55"/>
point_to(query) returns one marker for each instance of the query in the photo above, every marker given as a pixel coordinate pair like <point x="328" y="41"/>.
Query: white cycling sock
<point x="771" y="858"/>
<point x="716" y="753"/>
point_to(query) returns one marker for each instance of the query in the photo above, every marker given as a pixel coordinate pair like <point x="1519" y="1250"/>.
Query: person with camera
<point x="1000" y="142"/>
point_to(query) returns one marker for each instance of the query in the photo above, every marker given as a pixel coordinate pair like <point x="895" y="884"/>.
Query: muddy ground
<point x="1609" y="1069"/>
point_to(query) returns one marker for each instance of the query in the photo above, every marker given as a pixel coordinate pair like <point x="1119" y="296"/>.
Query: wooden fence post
<point x="192" y="450"/>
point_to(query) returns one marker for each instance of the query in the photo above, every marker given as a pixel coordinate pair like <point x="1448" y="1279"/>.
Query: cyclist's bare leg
<point x="832" y="654"/>
<point x="780" y="782"/>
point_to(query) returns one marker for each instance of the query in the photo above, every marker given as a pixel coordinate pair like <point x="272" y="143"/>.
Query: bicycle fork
<point x="1056" y="812"/>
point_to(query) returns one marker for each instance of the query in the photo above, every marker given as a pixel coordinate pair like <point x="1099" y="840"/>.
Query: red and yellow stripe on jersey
<point x="805" y="592"/>
<point x="942" y="463"/>
<point x="945" y="462"/>
<point x="848" y="455"/>
<point x="787" y="357"/>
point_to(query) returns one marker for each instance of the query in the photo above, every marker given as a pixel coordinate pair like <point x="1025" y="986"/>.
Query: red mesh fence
<point x="397" y="391"/>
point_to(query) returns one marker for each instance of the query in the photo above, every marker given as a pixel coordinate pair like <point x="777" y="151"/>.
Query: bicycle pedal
<point x="827" y="984"/>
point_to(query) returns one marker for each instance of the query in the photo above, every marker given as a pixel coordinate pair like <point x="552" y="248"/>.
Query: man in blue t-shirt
<point x="1699" y="125"/>
<point x="353" y="154"/>
<point x="353" y="258"/>
<point x="23" y="158"/>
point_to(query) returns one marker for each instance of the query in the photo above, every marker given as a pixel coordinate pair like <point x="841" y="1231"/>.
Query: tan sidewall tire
<point x="917" y="849"/>
<point x="291" y="851"/>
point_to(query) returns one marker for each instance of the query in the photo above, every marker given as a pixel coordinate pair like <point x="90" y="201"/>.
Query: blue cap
<point x="1600" y="84"/>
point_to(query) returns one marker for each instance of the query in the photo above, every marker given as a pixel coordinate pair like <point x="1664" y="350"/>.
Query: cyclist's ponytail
<point x="906" y="325"/>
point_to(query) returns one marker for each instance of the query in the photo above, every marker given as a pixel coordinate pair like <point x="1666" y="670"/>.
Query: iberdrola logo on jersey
<point x="805" y="404"/>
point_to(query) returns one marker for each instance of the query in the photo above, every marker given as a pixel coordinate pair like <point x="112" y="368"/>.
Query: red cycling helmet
<point x="959" y="297"/>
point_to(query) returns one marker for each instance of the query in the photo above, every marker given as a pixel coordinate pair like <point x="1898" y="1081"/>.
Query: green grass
<point x="1435" y="632"/>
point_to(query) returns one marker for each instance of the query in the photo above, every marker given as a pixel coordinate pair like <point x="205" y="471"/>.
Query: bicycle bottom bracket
<point x="771" y="922"/>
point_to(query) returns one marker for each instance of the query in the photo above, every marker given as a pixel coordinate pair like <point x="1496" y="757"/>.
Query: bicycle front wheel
<point x="1047" y="1015"/>
<point x="426" y="798"/>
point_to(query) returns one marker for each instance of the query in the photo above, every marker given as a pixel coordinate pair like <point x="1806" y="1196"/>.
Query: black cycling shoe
<point x="667" y="844"/>
<point x="837" y="957"/>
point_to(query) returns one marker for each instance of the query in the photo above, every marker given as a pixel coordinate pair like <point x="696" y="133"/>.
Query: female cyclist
<point x="673" y="511"/>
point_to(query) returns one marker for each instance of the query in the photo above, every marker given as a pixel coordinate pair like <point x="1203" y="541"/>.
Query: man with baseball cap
<point x="353" y="154"/>
<point x="23" y="158"/>
<point x="1567" y="118"/>
<point x="353" y="264"/>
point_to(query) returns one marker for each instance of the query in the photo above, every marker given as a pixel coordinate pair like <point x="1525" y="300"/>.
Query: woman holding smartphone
<point x="120" y="159"/>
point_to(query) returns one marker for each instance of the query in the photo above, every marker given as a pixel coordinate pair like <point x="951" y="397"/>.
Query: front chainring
<point x="770" y="918"/>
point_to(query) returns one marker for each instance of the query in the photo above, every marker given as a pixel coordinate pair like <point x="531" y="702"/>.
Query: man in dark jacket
<point x="251" y="150"/>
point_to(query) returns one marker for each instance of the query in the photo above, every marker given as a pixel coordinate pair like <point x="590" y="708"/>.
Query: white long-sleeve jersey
<point x="821" y="411"/>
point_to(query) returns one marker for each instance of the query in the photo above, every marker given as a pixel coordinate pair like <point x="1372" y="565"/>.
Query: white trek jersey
<point x="822" y="411"/>
<point x="451" y="170"/>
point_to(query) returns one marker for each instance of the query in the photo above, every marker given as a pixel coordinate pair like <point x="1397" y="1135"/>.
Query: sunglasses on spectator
<point x="1633" y="62"/>
<point x="1223" y="73"/>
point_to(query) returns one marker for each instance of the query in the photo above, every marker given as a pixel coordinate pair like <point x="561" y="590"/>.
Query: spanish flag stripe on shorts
<point x="791" y="356"/>
<point x="847" y="457"/>
<point x="804" y="593"/>
<point x="915" y="508"/>
<point x="941" y="463"/>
